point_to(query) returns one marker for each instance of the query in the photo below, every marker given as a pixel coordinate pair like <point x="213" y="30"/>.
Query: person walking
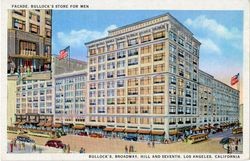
<point x="148" y="143"/>
<point x="126" y="149"/>
<point x="11" y="146"/>
<point x="64" y="148"/>
<point x="68" y="148"/>
<point x="153" y="144"/>
<point x="228" y="149"/>
<point x="81" y="150"/>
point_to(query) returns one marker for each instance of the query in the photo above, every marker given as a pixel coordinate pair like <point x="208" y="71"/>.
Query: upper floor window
<point x="18" y="24"/>
<point x="159" y="35"/>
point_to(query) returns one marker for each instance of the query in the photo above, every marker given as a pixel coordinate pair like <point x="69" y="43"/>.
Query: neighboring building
<point x="226" y="102"/>
<point x="70" y="98"/>
<point x="67" y="65"/>
<point x="34" y="103"/>
<point x="218" y="102"/>
<point x="29" y="43"/>
<point x="143" y="78"/>
<point x="11" y="100"/>
<point x="241" y="114"/>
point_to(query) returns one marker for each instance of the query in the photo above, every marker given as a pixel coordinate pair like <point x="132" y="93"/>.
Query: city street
<point x="97" y="145"/>
<point x="28" y="149"/>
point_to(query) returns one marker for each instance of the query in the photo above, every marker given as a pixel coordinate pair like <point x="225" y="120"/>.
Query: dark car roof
<point x="23" y="137"/>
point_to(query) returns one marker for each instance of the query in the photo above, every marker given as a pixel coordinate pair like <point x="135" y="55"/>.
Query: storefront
<point x="158" y="135"/>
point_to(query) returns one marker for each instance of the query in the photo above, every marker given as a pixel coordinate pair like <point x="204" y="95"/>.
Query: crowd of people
<point x="233" y="145"/>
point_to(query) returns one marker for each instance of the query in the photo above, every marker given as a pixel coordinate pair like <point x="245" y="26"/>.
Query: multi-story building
<point x="34" y="103"/>
<point x="67" y="65"/>
<point x="29" y="43"/>
<point x="70" y="97"/>
<point x="143" y="78"/>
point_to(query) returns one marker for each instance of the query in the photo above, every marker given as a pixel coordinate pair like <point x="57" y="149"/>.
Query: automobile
<point x="130" y="138"/>
<point x="219" y="130"/>
<point x="24" y="139"/>
<point x="213" y="131"/>
<point x="83" y="133"/>
<point x="96" y="135"/>
<point x="55" y="144"/>
<point x="226" y="140"/>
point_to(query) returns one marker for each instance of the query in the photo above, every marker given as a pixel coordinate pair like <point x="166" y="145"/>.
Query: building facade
<point x="70" y="98"/>
<point x="34" y="103"/>
<point x="29" y="42"/>
<point x="143" y="78"/>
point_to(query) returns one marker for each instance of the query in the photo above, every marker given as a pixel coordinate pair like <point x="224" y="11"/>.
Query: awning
<point x="196" y="129"/>
<point x="108" y="129"/>
<point x="143" y="131"/>
<point x="48" y="124"/>
<point x="16" y="123"/>
<point x="78" y="127"/>
<point x="157" y="132"/>
<point x="57" y="125"/>
<point x="131" y="130"/>
<point x="22" y="123"/>
<point x="173" y="132"/>
<point x="41" y="124"/>
<point x="119" y="129"/>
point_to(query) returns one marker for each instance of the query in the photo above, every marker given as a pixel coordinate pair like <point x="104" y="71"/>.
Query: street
<point x="107" y="145"/>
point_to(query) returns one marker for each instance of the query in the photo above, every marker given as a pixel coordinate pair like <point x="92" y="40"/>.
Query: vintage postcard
<point x="84" y="80"/>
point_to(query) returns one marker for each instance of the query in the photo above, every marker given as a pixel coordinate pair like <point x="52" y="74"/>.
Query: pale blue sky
<point x="220" y="33"/>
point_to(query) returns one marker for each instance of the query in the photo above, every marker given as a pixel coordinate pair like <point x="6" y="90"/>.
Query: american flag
<point x="63" y="53"/>
<point x="235" y="79"/>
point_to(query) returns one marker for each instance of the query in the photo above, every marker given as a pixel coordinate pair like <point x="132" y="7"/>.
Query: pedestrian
<point x="81" y="150"/>
<point x="64" y="148"/>
<point x="19" y="146"/>
<point x="153" y="144"/>
<point x="130" y="148"/>
<point x="148" y="143"/>
<point x="126" y="149"/>
<point x="11" y="146"/>
<point x="34" y="147"/>
<point x="23" y="146"/>
<point x="68" y="148"/>
<point x="228" y="149"/>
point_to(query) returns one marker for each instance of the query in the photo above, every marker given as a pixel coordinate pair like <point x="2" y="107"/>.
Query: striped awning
<point x="131" y="130"/>
<point x="22" y="123"/>
<point x="48" y="124"/>
<point x="119" y="129"/>
<point x="143" y="131"/>
<point x="78" y="127"/>
<point x="173" y="132"/>
<point x="157" y="132"/>
<point x="57" y="125"/>
<point x="41" y="124"/>
<point x="108" y="129"/>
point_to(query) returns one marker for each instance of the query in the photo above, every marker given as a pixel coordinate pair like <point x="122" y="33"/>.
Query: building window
<point x="146" y="59"/>
<point x="121" y="54"/>
<point x="34" y="17"/>
<point x="158" y="110"/>
<point x="92" y="52"/>
<point x="159" y="121"/>
<point x="172" y="100"/>
<point x="159" y="79"/>
<point x="159" y="68"/>
<point x="48" y="33"/>
<point x="48" y="22"/>
<point x="133" y="52"/>
<point x="27" y="48"/>
<point x="121" y="45"/>
<point x="101" y="50"/>
<point x="110" y="47"/>
<point x="20" y="12"/>
<point x="180" y="110"/>
<point x="159" y="35"/>
<point x="146" y="49"/>
<point x="172" y="36"/>
<point x="172" y="110"/>
<point x="172" y="79"/>
<point x="172" y="68"/>
<point x="146" y="70"/>
<point x="145" y="109"/>
<point x="172" y="48"/>
<point x="159" y="57"/>
<point x="181" y="41"/>
<point x="34" y="28"/>
<point x="145" y="38"/>
<point x="133" y="61"/>
<point x="132" y="42"/>
<point x="48" y="12"/>
<point x="159" y="47"/>
<point x="18" y="24"/>
<point x="172" y="58"/>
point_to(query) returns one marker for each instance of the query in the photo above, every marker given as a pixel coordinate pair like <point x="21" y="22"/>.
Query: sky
<point x="220" y="34"/>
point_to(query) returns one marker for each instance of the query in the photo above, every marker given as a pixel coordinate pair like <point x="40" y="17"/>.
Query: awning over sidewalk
<point x="157" y="132"/>
<point x="57" y="125"/>
<point x="119" y="129"/>
<point x="173" y="132"/>
<point x="108" y="129"/>
<point x="131" y="130"/>
<point x="48" y="124"/>
<point x="143" y="131"/>
<point x="22" y="123"/>
<point x="197" y="129"/>
<point x="41" y="124"/>
<point x="78" y="127"/>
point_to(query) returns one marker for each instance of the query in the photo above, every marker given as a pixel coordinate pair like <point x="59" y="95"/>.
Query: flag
<point x="235" y="79"/>
<point x="63" y="53"/>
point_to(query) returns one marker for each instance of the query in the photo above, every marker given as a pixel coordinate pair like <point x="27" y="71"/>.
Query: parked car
<point x="83" y="133"/>
<point x="24" y="139"/>
<point x="55" y="143"/>
<point x="95" y="135"/>
<point x="213" y="131"/>
<point x="226" y="140"/>
<point x="130" y="138"/>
